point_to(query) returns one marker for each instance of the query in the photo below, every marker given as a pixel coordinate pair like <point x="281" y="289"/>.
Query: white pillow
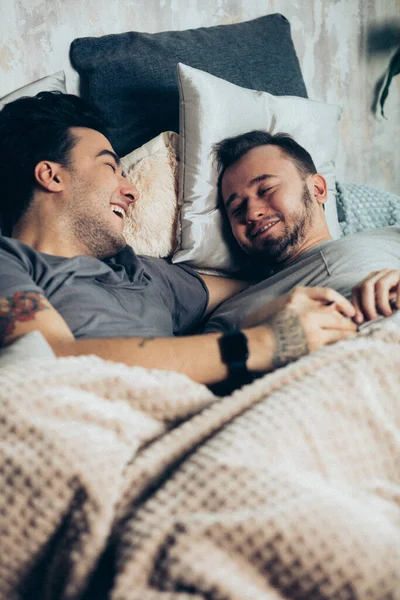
<point x="50" y="83"/>
<point x="212" y="109"/>
<point x="150" y="226"/>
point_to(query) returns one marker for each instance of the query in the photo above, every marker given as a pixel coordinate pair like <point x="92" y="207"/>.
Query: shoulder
<point x="8" y="245"/>
<point x="384" y="240"/>
<point x="13" y="250"/>
<point x="390" y="233"/>
<point x="20" y="268"/>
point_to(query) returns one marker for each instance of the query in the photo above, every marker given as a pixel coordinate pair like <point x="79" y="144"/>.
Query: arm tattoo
<point x="22" y="307"/>
<point x="290" y="337"/>
<point x="144" y="341"/>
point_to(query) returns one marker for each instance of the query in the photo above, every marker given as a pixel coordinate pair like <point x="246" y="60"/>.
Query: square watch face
<point x="234" y="348"/>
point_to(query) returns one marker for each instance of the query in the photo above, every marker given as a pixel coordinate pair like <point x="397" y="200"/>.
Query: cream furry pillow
<point x="150" y="226"/>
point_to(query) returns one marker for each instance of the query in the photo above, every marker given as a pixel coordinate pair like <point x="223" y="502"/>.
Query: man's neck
<point x="306" y="245"/>
<point x="275" y="266"/>
<point x="45" y="229"/>
<point x="55" y="243"/>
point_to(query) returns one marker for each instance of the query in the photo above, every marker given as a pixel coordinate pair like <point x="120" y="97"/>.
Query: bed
<point x="131" y="484"/>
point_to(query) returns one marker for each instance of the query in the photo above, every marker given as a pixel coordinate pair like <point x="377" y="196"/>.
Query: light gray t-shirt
<point x="126" y="296"/>
<point x="338" y="264"/>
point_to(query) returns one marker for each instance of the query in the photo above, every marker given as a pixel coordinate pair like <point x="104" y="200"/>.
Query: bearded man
<point x="274" y="199"/>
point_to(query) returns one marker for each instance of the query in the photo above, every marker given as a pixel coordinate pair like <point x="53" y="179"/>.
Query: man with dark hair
<point x="67" y="272"/>
<point x="45" y="134"/>
<point x="274" y="200"/>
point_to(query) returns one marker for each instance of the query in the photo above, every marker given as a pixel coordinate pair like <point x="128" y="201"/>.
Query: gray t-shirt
<point x="126" y="296"/>
<point x="338" y="264"/>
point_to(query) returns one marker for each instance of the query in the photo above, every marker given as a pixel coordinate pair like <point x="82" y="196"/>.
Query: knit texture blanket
<point x="132" y="484"/>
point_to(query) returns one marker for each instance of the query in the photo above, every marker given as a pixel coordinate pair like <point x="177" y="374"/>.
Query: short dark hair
<point x="230" y="150"/>
<point x="33" y="129"/>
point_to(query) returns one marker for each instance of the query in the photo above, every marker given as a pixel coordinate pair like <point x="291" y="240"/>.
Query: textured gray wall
<point x="343" y="47"/>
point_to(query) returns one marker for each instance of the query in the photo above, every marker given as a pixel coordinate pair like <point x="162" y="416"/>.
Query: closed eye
<point x="238" y="210"/>
<point x="114" y="168"/>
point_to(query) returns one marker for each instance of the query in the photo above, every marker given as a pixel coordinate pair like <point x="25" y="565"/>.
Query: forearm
<point x="301" y="322"/>
<point x="196" y="356"/>
<point x="222" y="288"/>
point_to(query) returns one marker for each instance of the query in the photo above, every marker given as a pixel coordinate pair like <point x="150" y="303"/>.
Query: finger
<point x="397" y="302"/>
<point x="382" y="293"/>
<point x="355" y="300"/>
<point x="329" y="295"/>
<point x="335" y="320"/>
<point x="394" y="293"/>
<point x="374" y="276"/>
<point x="363" y="296"/>
<point x="367" y="301"/>
<point x="375" y="293"/>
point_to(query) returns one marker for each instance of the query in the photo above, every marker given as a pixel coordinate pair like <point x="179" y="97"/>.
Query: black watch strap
<point x="234" y="353"/>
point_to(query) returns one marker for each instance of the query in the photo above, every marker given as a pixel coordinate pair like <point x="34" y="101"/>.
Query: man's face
<point x="269" y="205"/>
<point x="97" y="194"/>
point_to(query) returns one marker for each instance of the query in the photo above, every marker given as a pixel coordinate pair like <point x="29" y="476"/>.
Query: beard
<point x="92" y="232"/>
<point x="100" y="241"/>
<point x="274" y="252"/>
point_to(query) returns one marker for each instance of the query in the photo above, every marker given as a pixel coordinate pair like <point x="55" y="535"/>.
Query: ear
<point x="49" y="176"/>
<point x="319" y="188"/>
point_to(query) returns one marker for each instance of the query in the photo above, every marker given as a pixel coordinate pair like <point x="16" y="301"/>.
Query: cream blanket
<point x="132" y="484"/>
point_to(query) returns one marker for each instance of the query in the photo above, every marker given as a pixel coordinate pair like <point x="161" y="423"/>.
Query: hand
<point x="377" y="294"/>
<point x="304" y="320"/>
<point x="301" y="298"/>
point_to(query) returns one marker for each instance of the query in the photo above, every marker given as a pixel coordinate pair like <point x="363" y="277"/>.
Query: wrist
<point x="277" y="343"/>
<point x="234" y="351"/>
<point x="261" y="348"/>
<point x="291" y="340"/>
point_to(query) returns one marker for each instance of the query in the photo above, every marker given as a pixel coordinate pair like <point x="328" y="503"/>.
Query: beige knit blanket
<point x="131" y="484"/>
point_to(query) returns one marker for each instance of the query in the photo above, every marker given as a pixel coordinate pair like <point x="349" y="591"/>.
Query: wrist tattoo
<point x="290" y="337"/>
<point x="21" y="307"/>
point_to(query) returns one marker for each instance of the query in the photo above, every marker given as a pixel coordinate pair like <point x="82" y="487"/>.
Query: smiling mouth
<point x="263" y="229"/>
<point x="119" y="211"/>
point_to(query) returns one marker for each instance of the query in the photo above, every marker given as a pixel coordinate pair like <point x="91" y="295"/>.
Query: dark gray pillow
<point x="132" y="79"/>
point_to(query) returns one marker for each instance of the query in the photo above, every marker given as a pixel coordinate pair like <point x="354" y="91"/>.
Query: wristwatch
<point x="234" y="353"/>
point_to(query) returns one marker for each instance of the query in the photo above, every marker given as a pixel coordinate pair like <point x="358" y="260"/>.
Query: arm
<point x="220" y="289"/>
<point x="378" y="293"/>
<point x="303" y="311"/>
<point x="24" y="312"/>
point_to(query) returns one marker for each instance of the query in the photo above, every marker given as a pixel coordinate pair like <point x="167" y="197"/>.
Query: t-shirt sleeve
<point x="16" y="271"/>
<point x="185" y="294"/>
<point x="192" y="301"/>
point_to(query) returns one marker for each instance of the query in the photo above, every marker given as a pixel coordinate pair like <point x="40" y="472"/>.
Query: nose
<point x="129" y="191"/>
<point x="255" y="210"/>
